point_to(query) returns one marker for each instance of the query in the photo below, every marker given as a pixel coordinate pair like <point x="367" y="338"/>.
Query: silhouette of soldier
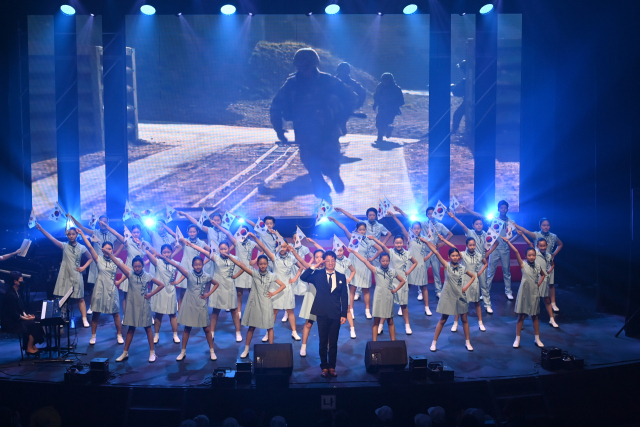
<point x="343" y="72"/>
<point x="318" y="104"/>
<point x="459" y="89"/>
<point x="388" y="99"/>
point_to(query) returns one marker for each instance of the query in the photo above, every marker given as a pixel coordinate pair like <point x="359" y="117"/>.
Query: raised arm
<point x="251" y="223"/>
<point x="380" y="245"/>
<point x="469" y="211"/>
<point x="365" y="261"/>
<point x="434" y="250"/>
<point x="347" y="214"/>
<point x="341" y="225"/>
<point x="92" y="251"/>
<point x="80" y="226"/>
<point x="193" y="220"/>
<point x="262" y="247"/>
<point x="227" y="233"/>
<point x="445" y="241"/>
<point x="513" y="248"/>
<point x="118" y="262"/>
<point x="114" y="232"/>
<point x="177" y="265"/>
<point x="401" y="211"/>
<point x="300" y="259"/>
<point x="402" y="227"/>
<point x="314" y="243"/>
<point x="152" y="259"/>
<point x="241" y="265"/>
<point x="205" y="251"/>
<point x="455" y="218"/>
<point x="9" y="255"/>
<point x="524" y="230"/>
<point x="49" y="236"/>
<point x="520" y="233"/>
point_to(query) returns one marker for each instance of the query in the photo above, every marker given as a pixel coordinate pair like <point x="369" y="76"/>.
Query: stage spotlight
<point x="413" y="217"/>
<point x="148" y="9"/>
<point x="149" y="222"/>
<point x="410" y="9"/>
<point x="250" y="13"/>
<point x="489" y="216"/>
<point x="92" y="14"/>
<point x="67" y="10"/>
<point x="379" y="13"/>
<point x="310" y="13"/>
<point x="332" y="9"/>
<point x="179" y="14"/>
<point x="486" y="9"/>
<point x="241" y="221"/>
<point x="228" y="9"/>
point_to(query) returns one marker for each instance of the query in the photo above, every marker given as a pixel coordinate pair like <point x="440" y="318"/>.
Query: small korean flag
<point x="354" y="242"/>
<point x="169" y="213"/>
<point x="432" y="234"/>
<point x="493" y="233"/>
<point x="127" y="211"/>
<point x="412" y="235"/>
<point x="323" y="211"/>
<point x="297" y="238"/>
<point x="127" y="233"/>
<point x="489" y="241"/>
<point x="227" y="219"/>
<point x="387" y="203"/>
<point x="179" y="234"/>
<point x="510" y="229"/>
<point x="94" y="219"/>
<point x="279" y="241"/>
<point x="337" y="243"/>
<point x="203" y="217"/>
<point x="145" y="212"/>
<point x="260" y="226"/>
<point x="58" y="213"/>
<point x="382" y="209"/>
<point x="454" y="203"/>
<point x="32" y="219"/>
<point x="241" y="234"/>
<point x="440" y="210"/>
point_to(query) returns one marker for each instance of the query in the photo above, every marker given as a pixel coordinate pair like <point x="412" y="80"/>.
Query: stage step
<point x="147" y="406"/>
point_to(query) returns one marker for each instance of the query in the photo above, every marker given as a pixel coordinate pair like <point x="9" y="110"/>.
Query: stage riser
<point x="597" y="396"/>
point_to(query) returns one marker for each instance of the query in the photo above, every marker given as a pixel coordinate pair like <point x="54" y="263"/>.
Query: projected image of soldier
<point x="318" y="104"/>
<point x="343" y="72"/>
<point x="387" y="99"/>
<point x="459" y="89"/>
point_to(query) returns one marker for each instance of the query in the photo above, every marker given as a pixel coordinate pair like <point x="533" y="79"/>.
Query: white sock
<point x="467" y="342"/>
<point x="537" y="338"/>
<point x="156" y="336"/>
<point x="353" y="329"/>
<point x="152" y="352"/>
<point x="303" y="347"/>
<point x="175" y="334"/>
<point x="93" y="335"/>
<point x="246" y="348"/>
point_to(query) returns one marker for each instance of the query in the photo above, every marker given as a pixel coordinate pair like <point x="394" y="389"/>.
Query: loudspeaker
<point x="551" y="358"/>
<point x="438" y="371"/>
<point x="273" y="359"/>
<point x="385" y="355"/>
<point x="99" y="371"/>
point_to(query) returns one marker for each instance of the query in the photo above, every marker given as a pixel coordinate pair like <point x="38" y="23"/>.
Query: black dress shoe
<point x="325" y="373"/>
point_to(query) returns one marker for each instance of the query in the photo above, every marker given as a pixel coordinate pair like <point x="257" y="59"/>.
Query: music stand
<point x="65" y="300"/>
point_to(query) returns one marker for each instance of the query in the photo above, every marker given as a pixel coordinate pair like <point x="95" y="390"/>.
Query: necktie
<point x="331" y="281"/>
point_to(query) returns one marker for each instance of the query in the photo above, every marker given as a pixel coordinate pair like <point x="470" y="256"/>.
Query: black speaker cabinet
<point x="385" y="355"/>
<point x="273" y="359"/>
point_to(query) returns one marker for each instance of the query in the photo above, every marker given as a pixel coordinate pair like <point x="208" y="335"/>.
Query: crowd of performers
<point x="154" y="285"/>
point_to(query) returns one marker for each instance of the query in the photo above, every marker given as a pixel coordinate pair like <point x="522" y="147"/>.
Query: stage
<point x="583" y="332"/>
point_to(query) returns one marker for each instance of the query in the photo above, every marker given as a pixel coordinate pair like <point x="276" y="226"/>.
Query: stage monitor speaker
<point x="273" y="359"/>
<point x="99" y="370"/>
<point x="385" y="355"/>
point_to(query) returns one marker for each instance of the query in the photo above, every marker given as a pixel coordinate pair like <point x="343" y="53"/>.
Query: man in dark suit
<point x="330" y="307"/>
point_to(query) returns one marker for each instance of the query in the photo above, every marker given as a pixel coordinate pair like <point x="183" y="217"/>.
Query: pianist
<point x="14" y="319"/>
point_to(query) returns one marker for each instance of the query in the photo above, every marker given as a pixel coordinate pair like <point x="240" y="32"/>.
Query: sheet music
<point x="26" y="244"/>
<point x="65" y="297"/>
<point x="43" y="315"/>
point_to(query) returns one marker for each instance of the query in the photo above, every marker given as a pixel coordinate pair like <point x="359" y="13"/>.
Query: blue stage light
<point x="149" y="222"/>
<point x="410" y="9"/>
<point x="490" y="216"/>
<point x="241" y="220"/>
<point x="67" y="10"/>
<point x="486" y="9"/>
<point x="228" y="9"/>
<point x="148" y="9"/>
<point x="332" y="9"/>
<point x="413" y="217"/>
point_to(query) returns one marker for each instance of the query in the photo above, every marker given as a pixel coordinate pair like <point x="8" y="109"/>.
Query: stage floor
<point x="582" y="332"/>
